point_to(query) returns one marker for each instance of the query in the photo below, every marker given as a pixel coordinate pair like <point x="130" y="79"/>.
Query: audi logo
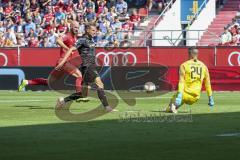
<point x="231" y="58"/>
<point x="118" y="58"/>
<point x="5" y="59"/>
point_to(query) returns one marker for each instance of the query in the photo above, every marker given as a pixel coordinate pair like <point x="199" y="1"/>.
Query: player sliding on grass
<point x="86" y="48"/>
<point x="192" y="74"/>
<point x="66" y="42"/>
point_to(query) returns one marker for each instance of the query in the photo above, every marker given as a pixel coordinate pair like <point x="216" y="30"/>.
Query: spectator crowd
<point x="231" y="34"/>
<point x="38" y="23"/>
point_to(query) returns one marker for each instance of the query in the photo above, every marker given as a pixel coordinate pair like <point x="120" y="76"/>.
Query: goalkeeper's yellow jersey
<point x="192" y="75"/>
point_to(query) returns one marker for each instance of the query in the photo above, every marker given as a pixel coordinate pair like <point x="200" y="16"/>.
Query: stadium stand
<point x="154" y="17"/>
<point x="224" y="30"/>
<point x="37" y="23"/>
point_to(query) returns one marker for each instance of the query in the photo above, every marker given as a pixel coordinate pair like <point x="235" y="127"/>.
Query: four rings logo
<point x="231" y="58"/>
<point x="5" y="59"/>
<point x="116" y="58"/>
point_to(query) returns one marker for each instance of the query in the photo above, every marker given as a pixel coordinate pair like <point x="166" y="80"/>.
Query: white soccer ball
<point x="149" y="87"/>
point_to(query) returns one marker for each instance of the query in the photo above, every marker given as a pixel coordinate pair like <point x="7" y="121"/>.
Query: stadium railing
<point x="169" y="36"/>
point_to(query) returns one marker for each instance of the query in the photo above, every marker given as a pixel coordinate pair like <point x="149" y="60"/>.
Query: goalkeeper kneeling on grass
<point x="192" y="74"/>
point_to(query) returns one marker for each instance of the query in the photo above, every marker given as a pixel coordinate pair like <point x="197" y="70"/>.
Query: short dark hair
<point x="89" y="26"/>
<point x="190" y="49"/>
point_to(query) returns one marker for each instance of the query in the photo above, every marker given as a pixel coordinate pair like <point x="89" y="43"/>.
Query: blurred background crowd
<point x="38" y="23"/>
<point x="231" y="34"/>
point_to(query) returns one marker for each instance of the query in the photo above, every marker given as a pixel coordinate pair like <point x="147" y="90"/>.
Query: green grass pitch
<point x="30" y="129"/>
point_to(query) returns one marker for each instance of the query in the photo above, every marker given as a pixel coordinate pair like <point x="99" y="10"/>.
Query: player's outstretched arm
<point x="64" y="60"/>
<point x="178" y="100"/>
<point x="208" y="88"/>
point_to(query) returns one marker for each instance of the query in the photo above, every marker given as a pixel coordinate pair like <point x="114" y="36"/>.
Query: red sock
<point x="38" y="81"/>
<point x="78" y="84"/>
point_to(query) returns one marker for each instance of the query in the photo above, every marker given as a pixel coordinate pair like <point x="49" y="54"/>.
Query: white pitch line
<point x="92" y="99"/>
<point x="32" y="100"/>
<point x="146" y="98"/>
<point x="154" y="97"/>
<point x="229" y="135"/>
<point x="35" y="100"/>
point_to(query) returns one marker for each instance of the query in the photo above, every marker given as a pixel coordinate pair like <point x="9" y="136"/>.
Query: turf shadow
<point x="122" y="140"/>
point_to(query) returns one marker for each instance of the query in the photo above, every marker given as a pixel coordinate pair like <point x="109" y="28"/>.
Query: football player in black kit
<point x="86" y="48"/>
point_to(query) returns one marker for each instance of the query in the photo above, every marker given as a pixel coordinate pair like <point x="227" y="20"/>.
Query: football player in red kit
<point x="70" y="67"/>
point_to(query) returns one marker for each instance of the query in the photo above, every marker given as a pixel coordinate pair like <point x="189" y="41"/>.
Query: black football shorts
<point x="89" y="74"/>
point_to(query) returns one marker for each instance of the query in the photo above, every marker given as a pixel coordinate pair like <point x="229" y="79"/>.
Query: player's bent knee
<point x="99" y="83"/>
<point x="78" y="74"/>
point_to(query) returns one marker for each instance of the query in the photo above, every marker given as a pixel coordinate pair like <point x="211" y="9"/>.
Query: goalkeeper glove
<point x="178" y="100"/>
<point x="211" y="101"/>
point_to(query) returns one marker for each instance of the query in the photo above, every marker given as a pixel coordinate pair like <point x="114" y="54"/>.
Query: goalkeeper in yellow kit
<point x="192" y="74"/>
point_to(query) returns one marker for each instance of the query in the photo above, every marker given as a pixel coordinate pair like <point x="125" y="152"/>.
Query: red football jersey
<point x="8" y="10"/>
<point x="134" y="18"/>
<point x="69" y="40"/>
<point x="62" y="28"/>
<point x="49" y="17"/>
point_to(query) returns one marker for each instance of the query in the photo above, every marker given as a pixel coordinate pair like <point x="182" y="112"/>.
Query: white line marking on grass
<point x="32" y="100"/>
<point x="229" y="135"/>
<point x="52" y="99"/>
<point x="132" y="111"/>
<point x="150" y="98"/>
<point x="92" y="99"/>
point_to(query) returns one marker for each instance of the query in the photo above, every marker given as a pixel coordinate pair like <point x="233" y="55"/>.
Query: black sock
<point x="102" y="97"/>
<point x="73" y="96"/>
